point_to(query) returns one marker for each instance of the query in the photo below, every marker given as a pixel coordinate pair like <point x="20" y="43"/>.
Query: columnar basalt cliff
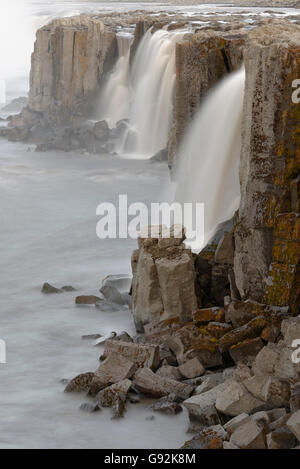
<point x="266" y="261"/>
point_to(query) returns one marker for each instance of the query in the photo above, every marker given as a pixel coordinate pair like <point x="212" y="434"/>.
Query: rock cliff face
<point x="202" y="59"/>
<point x="69" y="58"/>
<point x="267" y="249"/>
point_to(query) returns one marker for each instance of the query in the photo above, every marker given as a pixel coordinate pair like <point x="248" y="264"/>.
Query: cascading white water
<point x="152" y="86"/>
<point x="208" y="161"/>
<point x="115" y="98"/>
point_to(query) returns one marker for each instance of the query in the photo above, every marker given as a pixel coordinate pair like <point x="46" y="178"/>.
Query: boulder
<point x="167" y="405"/>
<point x="246" y="351"/>
<point x="47" y="288"/>
<point x="236" y="422"/>
<point x="235" y="399"/>
<point x="293" y="424"/>
<point x="86" y="299"/>
<point x="115" y="396"/>
<point x="113" y="369"/>
<point x="241" y="312"/>
<point x="250" y="330"/>
<point x="80" y="383"/>
<point x="141" y="355"/>
<point x="201" y="408"/>
<point x="153" y="385"/>
<point x="192" y="368"/>
<point x="88" y="407"/>
<point x="101" y="130"/>
<point x="282" y="438"/>
<point x="295" y="397"/>
<point x="206" y="315"/>
<point x="209" y="382"/>
<point x="250" y="435"/>
<point x="208" y="438"/>
<point x="171" y="372"/>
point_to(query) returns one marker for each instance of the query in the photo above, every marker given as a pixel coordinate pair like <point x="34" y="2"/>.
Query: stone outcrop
<point x="266" y="260"/>
<point x="163" y="279"/>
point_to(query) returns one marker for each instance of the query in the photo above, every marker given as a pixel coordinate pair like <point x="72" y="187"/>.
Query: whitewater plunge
<point x="208" y="162"/>
<point x="143" y="93"/>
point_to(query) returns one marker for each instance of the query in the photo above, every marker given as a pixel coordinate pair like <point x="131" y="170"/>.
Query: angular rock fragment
<point x="246" y="351"/>
<point x="295" y="397"/>
<point x="153" y="385"/>
<point x="47" y="288"/>
<point x="249" y="331"/>
<point x="170" y="372"/>
<point x="293" y="424"/>
<point x="115" y="396"/>
<point x="249" y="436"/>
<point x="113" y="369"/>
<point x="87" y="299"/>
<point x="235" y="399"/>
<point x="167" y="405"/>
<point x="208" y="438"/>
<point x="281" y="438"/>
<point x="192" y="368"/>
<point x="80" y="383"/>
<point x="201" y="408"/>
<point x="236" y="422"/>
<point x="206" y="315"/>
<point x="209" y="382"/>
<point x="88" y="407"/>
<point x="142" y="355"/>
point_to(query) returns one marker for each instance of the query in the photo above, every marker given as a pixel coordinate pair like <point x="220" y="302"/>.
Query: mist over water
<point x="208" y="161"/>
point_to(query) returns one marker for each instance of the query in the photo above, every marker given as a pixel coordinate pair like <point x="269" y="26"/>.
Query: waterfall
<point x="152" y="86"/>
<point x="114" y="100"/>
<point x="208" y="160"/>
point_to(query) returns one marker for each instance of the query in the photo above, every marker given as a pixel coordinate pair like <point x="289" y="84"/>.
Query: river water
<point x="48" y="233"/>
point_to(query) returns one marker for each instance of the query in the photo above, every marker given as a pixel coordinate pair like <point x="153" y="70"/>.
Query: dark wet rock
<point x="167" y="405"/>
<point x="123" y="336"/>
<point x="160" y="156"/>
<point x="295" y="397"/>
<point x="208" y="438"/>
<point x="115" y="396"/>
<point x="47" y="288"/>
<point x="246" y="351"/>
<point x="87" y="299"/>
<point x="68" y="288"/>
<point x="281" y="438"/>
<point x="88" y="407"/>
<point x="101" y="130"/>
<point x="80" y="383"/>
<point x="91" y="336"/>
